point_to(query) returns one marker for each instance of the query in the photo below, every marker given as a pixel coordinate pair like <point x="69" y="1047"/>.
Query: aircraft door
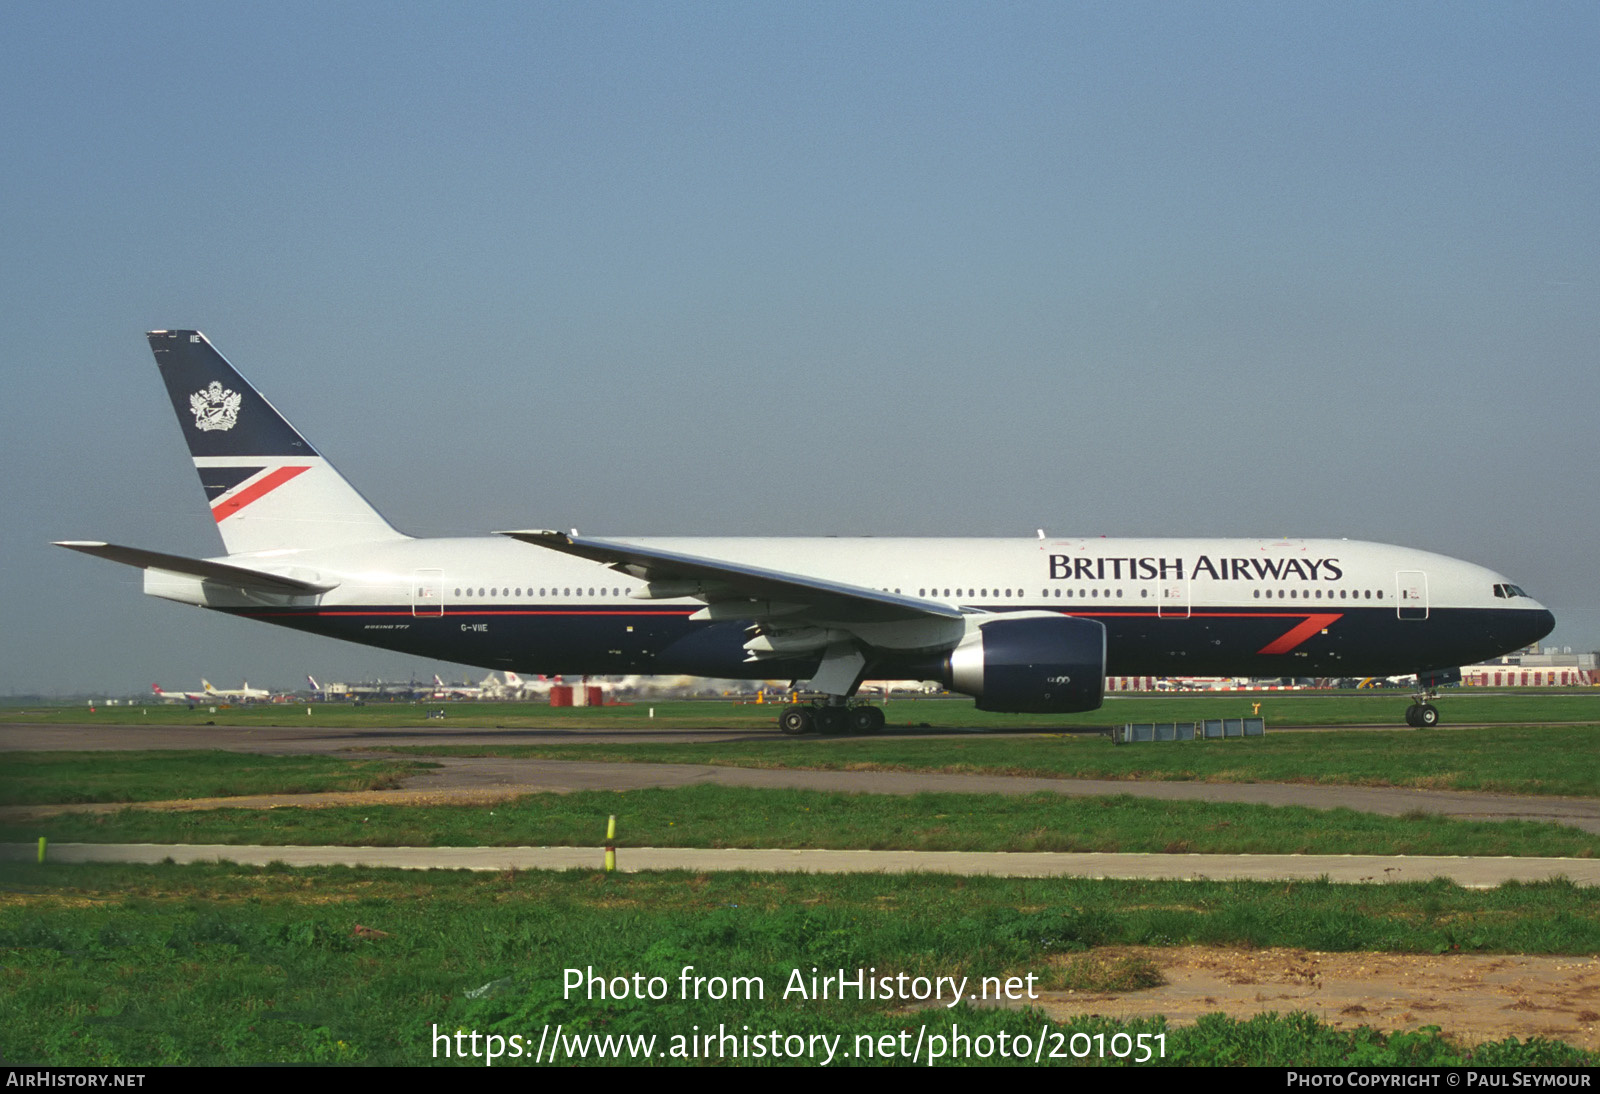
<point x="427" y="593"/>
<point x="1172" y="598"/>
<point x="1411" y="591"/>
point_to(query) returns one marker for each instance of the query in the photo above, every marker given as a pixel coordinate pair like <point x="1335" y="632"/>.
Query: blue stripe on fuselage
<point x="611" y="639"/>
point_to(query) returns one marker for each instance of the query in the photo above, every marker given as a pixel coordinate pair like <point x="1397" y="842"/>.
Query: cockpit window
<point x="1508" y="592"/>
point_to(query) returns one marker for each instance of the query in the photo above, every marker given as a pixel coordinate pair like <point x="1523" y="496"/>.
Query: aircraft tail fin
<point x="268" y="488"/>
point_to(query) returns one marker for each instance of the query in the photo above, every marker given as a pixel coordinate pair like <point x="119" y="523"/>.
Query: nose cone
<point x="1534" y="625"/>
<point x="1522" y="627"/>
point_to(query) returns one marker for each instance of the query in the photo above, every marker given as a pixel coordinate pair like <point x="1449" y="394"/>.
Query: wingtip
<point x="537" y="535"/>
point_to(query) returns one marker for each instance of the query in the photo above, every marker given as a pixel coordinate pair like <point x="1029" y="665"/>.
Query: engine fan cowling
<point x="1037" y="664"/>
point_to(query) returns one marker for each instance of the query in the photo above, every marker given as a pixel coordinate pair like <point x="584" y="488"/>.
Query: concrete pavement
<point x="1478" y="873"/>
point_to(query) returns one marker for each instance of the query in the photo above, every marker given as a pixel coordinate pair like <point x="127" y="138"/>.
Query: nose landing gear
<point x="1422" y="715"/>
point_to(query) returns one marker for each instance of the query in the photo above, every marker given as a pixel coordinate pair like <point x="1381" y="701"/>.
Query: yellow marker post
<point x="41" y="850"/>
<point x="1255" y="708"/>
<point x="611" y="850"/>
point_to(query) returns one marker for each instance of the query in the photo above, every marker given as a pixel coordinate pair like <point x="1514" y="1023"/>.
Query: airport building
<point x="1550" y="668"/>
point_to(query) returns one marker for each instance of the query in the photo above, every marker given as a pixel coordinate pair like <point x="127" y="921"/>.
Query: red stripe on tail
<point x="259" y="489"/>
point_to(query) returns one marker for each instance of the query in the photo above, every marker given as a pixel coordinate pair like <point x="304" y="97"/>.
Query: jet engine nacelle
<point x="1031" y="663"/>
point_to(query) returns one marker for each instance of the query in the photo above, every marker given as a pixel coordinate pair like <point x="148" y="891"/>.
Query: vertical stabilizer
<point x="267" y="487"/>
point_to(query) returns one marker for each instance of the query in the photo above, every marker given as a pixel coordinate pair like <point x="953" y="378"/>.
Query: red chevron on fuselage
<point x="1292" y="638"/>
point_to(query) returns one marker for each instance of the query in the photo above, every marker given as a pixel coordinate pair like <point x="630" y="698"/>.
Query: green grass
<point x="35" y="778"/>
<point x="717" y="816"/>
<point x="121" y="966"/>
<point x="134" y="966"/>
<point x="1309" y="708"/>
<point x="1511" y="759"/>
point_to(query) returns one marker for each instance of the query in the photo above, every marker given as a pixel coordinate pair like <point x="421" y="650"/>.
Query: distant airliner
<point x="208" y="692"/>
<point x="1023" y="625"/>
<point x="246" y="692"/>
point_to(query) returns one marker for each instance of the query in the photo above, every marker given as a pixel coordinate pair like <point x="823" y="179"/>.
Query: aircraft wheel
<point x="862" y="719"/>
<point x="879" y="719"/>
<point x="1411" y="715"/>
<point x="1427" y="716"/>
<point x="796" y="720"/>
<point x="832" y="719"/>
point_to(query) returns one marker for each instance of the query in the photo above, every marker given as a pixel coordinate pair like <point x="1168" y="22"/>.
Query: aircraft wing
<point x="672" y="575"/>
<point x="239" y="577"/>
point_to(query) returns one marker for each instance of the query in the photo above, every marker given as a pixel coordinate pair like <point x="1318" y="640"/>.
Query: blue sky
<point x="1144" y="269"/>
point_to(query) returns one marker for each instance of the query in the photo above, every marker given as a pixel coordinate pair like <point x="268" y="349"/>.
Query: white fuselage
<point x="478" y="591"/>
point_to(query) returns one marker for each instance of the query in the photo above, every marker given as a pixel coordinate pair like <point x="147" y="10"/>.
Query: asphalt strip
<point x="1468" y="872"/>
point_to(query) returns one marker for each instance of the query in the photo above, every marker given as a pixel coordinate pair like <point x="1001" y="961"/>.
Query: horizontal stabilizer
<point x="240" y="577"/>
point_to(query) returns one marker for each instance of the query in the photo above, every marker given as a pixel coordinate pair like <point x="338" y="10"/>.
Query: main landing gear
<point x="830" y="716"/>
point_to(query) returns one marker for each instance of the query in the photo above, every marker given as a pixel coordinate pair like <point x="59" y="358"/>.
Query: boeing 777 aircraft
<point x="1023" y="625"/>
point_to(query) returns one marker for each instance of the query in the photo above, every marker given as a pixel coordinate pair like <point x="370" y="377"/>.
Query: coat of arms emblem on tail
<point x="215" y="407"/>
